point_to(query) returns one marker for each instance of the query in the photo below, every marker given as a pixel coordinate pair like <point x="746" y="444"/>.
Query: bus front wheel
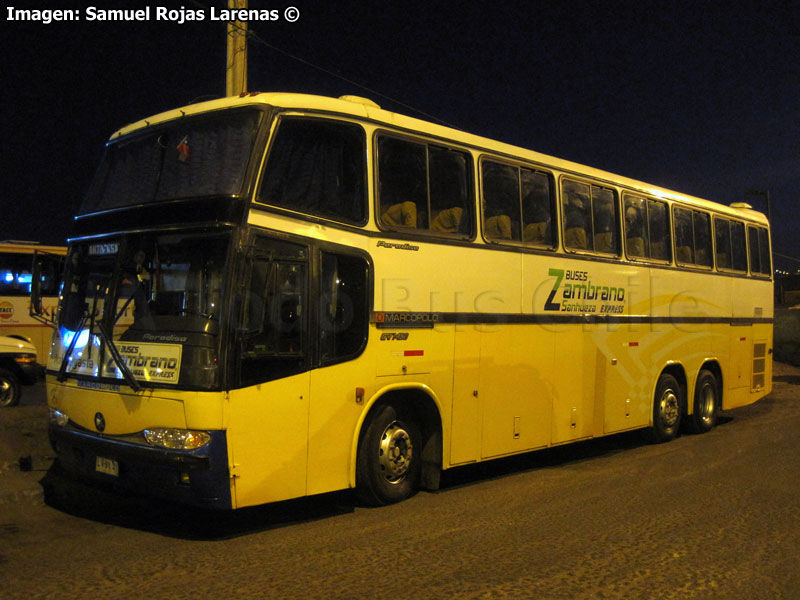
<point x="667" y="409"/>
<point x="389" y="458"/>
<point x="706" y="403"/>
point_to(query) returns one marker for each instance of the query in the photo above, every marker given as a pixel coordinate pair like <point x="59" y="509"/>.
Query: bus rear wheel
<point x="667" y="409"/>
<point x="389" y="458"/>
<point x="706" y="403"/>
<point x="9" y="388"/>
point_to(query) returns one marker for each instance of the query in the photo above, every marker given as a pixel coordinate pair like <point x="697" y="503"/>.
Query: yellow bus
<point x="16" y="264"/>
<point x="325" y="295"/>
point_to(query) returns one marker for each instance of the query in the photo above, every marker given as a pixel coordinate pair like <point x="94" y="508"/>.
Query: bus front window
<point x="317" y="167"/>
<point x="192" y="157"/>
<point x="167" y="299"/>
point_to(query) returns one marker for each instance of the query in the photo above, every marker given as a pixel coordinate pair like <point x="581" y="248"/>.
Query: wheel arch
<point x="426" y="408"/>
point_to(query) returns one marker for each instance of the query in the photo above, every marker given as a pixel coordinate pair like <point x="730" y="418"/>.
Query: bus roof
<point x="25" y="247"/>
<point x="362" y="108"/>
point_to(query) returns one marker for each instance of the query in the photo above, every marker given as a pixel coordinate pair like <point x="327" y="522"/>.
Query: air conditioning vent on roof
<point x="359" y="100"/>
<point x="741" y="205"/>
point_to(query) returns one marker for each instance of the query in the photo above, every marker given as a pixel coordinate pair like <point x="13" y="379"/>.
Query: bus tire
<point x="706" y="403"/>
<point x="389" y="458"/>
<point x="667" y="408"/>
<point x="9" y="388"/>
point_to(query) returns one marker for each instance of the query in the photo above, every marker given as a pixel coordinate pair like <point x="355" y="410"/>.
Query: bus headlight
<point x="58" y="418"/>
<point x="176" y="439"/>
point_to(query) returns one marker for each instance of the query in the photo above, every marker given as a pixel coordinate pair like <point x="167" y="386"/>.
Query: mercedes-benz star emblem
<point x="100" y="422"/>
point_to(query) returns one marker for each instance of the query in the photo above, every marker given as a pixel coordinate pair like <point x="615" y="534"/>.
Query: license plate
<point x="107" y="466"/>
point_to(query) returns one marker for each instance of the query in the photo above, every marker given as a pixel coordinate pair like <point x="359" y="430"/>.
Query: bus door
<point x="343" y="285"/>
<point x="268" y="413"/>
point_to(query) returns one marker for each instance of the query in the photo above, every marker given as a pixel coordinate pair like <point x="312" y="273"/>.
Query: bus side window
<point x="739" y="244"/>
<point x="316" y="166"/>
<point x="760" y="260"/>
<point x="537" y="208"/>
<point x="684" y="236"/>
<point x="590" y="217"/>
<point x="424" y="187"/>
<point x="576" y="199"/>
<point x="450" y="197"/>
<point x="276" y="310"/>
<point x="500" y="201"/>
<point x="274" y="319"/>
<point x="752" y="238"/>
<point x="658" y="230"/>
<point x="343" y="308"/>
<point x="288" y="307"/>
<point x="763" y="245"/>
<point x="402" y="183"/>
<point x="702" y="238"/>
<point x="646" y="228"/>
<point x="636" y="233"/>
<point x="15" y="274"/>
<point x="722" y="242"/>
<point x="692" y="237"/>
<point x="604" y="219"/>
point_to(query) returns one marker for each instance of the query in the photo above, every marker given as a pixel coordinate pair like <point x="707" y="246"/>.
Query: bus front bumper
<point x="198" y="477"/>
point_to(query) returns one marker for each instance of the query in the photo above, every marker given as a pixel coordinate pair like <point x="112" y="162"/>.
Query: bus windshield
<point x="190" y="157"/>
<point x="166" y="290"/>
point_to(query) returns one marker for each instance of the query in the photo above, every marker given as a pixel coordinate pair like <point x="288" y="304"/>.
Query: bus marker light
<point x="414" y="353"/>
<point x="25" y="358"/>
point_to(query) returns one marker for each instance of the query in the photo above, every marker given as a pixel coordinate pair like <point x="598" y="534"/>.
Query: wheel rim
<point x="395" y="452"/>
<point x="6" y="392"/>
<point x="669" y="408"/>
<point x="707" y="404"/>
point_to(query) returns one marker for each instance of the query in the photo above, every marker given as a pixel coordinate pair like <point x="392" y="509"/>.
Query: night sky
<point x="699" y="97"/>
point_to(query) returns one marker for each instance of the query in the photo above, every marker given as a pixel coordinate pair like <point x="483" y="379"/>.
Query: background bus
<point x="16" y="263"/>
<point x="322" y="295"/>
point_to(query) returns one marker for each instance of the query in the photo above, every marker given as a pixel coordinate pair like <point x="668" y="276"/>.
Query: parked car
<point x="18" y="367"/>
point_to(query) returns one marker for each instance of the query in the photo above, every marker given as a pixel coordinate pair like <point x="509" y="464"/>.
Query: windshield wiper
<point x="123" y="366"/>
<point x="112" y="348"/>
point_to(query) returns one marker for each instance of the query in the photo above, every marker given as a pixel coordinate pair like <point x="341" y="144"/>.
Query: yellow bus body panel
<point x="268" y="440"/>
<point x="126" y="412"/>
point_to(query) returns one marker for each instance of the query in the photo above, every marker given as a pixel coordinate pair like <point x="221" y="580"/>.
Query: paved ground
<point x="23" y="437"/>
<point x="704" y="516"/>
